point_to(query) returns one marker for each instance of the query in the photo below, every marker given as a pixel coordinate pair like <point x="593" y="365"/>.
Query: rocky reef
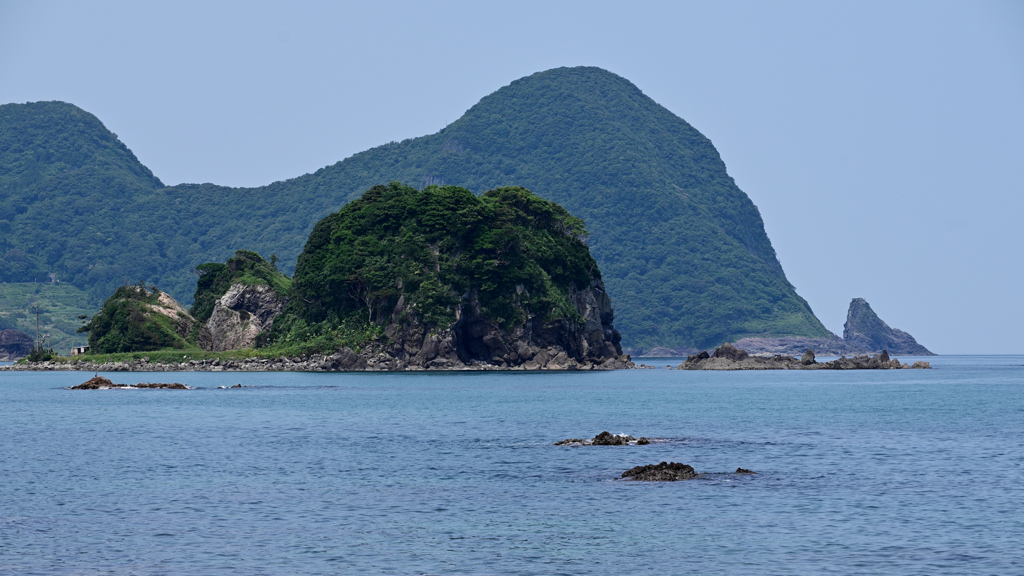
<point x="101" y="383"/>
<point x="605" y="439"/>
<point x="663" y="472"/>
<point x="729" y="357"/>
<point x="863" y="333"/>
<point x="14" y="344"/>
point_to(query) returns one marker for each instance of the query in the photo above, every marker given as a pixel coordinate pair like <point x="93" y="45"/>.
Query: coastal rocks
<point x="14" y="344"/>
<point x="744" y="471"/>
<point x="663" y="472"/>
<point x="864" y="330"/>
<point x="728" y="357"/>
<point x="101" y="383"/>
<point x="863" y="333"/>
<point x="239" y="316"/>
<point x="604" y="439"/>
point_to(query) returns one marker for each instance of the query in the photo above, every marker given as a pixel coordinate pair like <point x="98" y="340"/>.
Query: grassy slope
<point x="683" y="250"/>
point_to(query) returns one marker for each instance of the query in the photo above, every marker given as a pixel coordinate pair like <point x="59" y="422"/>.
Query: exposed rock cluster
<point x="729" y="357"/>
<point x="605" y="439"/>
<point x="101" y="383"/>
<point x="663" y="472"/>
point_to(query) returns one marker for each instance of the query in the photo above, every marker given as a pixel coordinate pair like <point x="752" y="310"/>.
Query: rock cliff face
<point x="239" y="316"/>
<point x="863" y="333"/>
<point x="562" y="344"/>
<point x="14" y="344"/>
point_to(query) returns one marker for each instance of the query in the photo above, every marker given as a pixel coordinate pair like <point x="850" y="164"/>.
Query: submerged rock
<point x="744" y="471"/>
<point x="664" y="472"/>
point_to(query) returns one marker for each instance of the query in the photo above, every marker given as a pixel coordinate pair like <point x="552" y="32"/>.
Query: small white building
<point x="79" y="350"/>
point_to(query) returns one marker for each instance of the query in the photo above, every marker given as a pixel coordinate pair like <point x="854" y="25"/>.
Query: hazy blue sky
<point x="883" y="142"/>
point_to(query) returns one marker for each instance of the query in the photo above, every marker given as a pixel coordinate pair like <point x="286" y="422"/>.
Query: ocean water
<point x="866" y="472"/>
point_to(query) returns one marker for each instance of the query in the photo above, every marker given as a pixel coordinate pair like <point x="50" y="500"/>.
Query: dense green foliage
<point x="518" y="252"/>
<point x="244" y="267"/>
<point x="127" y="323"/>
<point x="683" y="250"/>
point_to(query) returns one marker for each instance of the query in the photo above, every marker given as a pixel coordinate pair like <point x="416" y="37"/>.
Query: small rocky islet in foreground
<point x="605" y="439"/>
<point x="668" y="472"/>
<point x="101" y="383"/>
<point x="729" y="357"/>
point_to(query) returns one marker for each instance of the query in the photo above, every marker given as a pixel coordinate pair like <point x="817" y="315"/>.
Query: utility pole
<point x="37" y="325"/>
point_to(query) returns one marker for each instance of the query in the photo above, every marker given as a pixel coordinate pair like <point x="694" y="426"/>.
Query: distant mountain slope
<point x="682" y="249"/>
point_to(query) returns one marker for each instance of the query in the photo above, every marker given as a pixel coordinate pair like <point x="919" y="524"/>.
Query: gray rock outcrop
<point x="864" y="330"/>
<point x="239" y="316"/>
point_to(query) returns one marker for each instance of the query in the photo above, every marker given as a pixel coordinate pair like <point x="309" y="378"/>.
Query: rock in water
<point x="94" y="383"/>
<point x="864" y="331"/>
<point x="608" y="439"/>
<point x="744" y="471"/>
<point x="730" y="352"/>
<point x="664" y="472"/>
<point x="604" y="439"/>
<point x="808" y="358"/>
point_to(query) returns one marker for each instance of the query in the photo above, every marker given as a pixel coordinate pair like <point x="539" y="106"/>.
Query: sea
<point x="858" y="472"/>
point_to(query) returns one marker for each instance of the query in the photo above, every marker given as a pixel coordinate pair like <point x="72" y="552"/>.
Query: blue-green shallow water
<point x="874" y="472"/>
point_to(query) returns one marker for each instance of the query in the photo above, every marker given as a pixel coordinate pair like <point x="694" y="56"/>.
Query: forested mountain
<point x="682" y="249"/>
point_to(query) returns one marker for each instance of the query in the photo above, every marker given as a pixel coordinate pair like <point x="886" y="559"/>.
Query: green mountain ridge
<point x="681" y="248"/>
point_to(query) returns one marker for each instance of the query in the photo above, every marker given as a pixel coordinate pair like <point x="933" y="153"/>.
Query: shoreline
<point x="326" y="364"/>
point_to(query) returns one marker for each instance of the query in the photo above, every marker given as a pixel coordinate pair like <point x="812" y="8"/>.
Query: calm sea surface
<point x="870" y="472"/>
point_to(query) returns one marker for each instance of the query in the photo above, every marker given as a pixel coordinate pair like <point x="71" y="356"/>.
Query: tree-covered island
<point x="400" y="278"/>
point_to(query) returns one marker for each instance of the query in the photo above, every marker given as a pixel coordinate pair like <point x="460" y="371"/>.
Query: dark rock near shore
<point x="664" y="472"/>
<point x="94" y="384"/>
<point x="101" y="383"/>
<point x="14" y="344"/>
<point x="744" y="471"/>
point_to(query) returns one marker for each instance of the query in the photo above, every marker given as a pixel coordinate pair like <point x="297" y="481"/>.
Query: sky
<point x="883" y="142"/>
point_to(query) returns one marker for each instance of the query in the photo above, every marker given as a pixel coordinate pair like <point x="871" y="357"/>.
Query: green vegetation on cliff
<point x="682" y="249"/>
<point x="514" y="252"/>
<point x="135" y="319"/>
